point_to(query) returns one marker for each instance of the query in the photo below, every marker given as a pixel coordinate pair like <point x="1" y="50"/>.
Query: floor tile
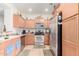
<point x="32" y="50"/>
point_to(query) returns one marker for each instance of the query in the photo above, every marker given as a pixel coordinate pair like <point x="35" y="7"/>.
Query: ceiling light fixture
<point x="46" y="9"/>
<point x="30" y="9"/>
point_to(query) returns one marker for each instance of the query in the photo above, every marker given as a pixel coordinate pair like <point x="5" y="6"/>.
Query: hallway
<point x="31" y="50"/>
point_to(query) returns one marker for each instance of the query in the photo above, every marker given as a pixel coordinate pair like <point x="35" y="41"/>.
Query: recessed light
<point x="46" y="9"/>
<point x="30" y="9"/>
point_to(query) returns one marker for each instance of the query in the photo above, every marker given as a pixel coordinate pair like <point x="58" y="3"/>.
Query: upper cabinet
<point x="18" y="21"/>
<point x="32" y="23"/>
<point x="47" y="23"/>
<point x="15" y="21"/>
<point x="29" y="24"/>
<point x="68" y="9"/>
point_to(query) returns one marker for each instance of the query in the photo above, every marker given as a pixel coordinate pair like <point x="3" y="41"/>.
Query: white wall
<point x="9" y="11"/>
<point x="8" y="19"/>
<point x="1" y="22"/>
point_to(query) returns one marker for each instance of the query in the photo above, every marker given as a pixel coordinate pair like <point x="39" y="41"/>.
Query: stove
<point x="39" y="39"/>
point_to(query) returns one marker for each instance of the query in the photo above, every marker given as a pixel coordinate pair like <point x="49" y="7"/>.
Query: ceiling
<point x="37" y="8"/>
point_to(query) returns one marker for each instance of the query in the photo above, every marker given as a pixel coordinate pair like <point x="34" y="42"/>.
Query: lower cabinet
<point x="9" y="50"/>
<point x="69" y="49"/>
<point x="2" y="52"/>
<point x="10" y="47"/>
<point x="22" y="42"/>
<point x="18" y="46"/>
<point x="46" y="39"/>
<point x="70" y="40"/>
<point x="29" y="39"/>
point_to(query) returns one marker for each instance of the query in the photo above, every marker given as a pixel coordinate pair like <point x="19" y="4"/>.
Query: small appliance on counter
<point x="24" y="32"/>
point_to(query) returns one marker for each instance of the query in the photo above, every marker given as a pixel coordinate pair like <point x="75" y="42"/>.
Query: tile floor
<point x="31" y="50"/>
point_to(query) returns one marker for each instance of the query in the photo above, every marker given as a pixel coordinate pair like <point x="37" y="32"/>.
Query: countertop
<point x="10" y="37"/>
<point x="13" y="36"/>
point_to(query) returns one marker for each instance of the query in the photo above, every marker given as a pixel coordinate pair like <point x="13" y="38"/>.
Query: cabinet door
<point x="18" y="21"/>
<point x="2" y="46"/>
<point x="68" y="9"/>
<point x="29" y="39"/>
<point x="70" y="36"/>
<point x="15" y="21"/>
<point x="31" y="24"/>
<point x="21" y="22"/>
<point x="69" y="49"/>
<point x="27" y="24"/>
<point x="26" y="39"/>
<point x="2" y="52"/>
<point x="22" y="42"/>
<point x="9" y="50"/>
<point x="47" y="23"/>
<point x="46" y="39"/>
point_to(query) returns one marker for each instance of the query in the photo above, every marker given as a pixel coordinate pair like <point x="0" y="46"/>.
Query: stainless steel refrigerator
<point x="56" y="35"/>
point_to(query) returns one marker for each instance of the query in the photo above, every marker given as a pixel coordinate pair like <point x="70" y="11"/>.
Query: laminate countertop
<point x="2" y="39"/>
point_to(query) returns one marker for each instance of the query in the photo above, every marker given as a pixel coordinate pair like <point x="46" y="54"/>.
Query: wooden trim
<point x="70" y="17"/>
<point x="70" y="42"/>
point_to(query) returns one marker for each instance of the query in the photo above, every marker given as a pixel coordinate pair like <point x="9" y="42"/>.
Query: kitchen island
<point x="16" y="43"/>
<point x="11" y="46"/>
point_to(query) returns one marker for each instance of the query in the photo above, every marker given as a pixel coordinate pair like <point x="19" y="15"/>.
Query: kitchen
<point x="21" y="31"/>
<point x="38" y="29"/>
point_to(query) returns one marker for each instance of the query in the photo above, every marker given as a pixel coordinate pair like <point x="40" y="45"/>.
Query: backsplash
<point x="31" y="30"/>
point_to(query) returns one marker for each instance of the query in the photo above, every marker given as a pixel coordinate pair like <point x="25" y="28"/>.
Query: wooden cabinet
<point x="70" y="26"/>
<point x="26" y="39"/>
<point x="22" y="22"/>
<point x="47" y="23"/>
<point x="29" y="24"/>
<point x="2" y="52"/>
<point x="26" y="24"/>
<point x="70" y="35"/>
<point x="10" y="47"/>
<point x="69" y="49"/>
<point x="68" y="9"/>
<point x="18" y="21"/>
<point x="22" y="42"/>
<point x="30" y="39"/>
<point x="46" y="39"/>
